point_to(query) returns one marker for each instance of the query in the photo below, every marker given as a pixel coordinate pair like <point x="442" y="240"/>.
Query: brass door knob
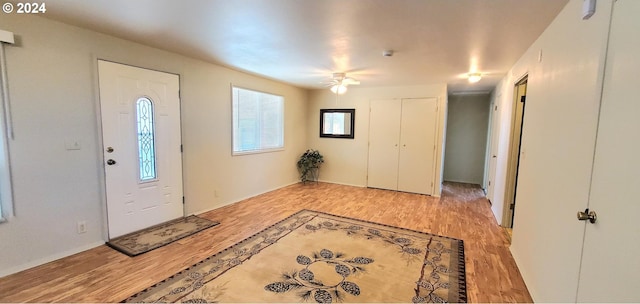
<point x="587" y="215"/>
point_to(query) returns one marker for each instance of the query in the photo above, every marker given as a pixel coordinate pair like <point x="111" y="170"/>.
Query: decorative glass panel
<point x="146" y="139"/>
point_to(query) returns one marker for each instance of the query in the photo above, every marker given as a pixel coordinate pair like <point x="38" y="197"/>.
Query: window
<point x="146" y="139"/>
<point x="258" y="121"/>
<point x="6" y="197"/>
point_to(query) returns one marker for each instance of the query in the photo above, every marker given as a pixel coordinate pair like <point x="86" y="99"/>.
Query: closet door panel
<point x="384" y="132"/>
<point x="417" y="145"/>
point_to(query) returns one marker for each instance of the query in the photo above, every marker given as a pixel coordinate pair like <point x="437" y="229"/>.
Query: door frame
<point x="100" y="153"/>
<point x="513" y="156"/>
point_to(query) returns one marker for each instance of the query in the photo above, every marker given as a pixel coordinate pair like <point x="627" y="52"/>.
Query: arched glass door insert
<point x="146" y="140"/>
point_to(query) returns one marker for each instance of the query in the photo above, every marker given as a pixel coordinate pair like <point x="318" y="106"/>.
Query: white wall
<point x="466" y="148"/>
<point x="560" y="121"/>
<point x="52" y="82"/>
<point x="346" y="159"/>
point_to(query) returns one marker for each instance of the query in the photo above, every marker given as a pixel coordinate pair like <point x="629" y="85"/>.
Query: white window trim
<point x="258" y="151"/>
<point x="6" y="133"/>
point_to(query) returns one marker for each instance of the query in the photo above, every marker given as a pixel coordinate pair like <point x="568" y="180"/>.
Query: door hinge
<point x="512" y="206"/>
<point x="183" y="200"/>
<point x="523" y="98"/>
<point x="181" y="150"/>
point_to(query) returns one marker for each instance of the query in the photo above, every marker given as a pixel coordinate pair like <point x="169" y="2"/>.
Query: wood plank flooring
<point x="105" y="275"/>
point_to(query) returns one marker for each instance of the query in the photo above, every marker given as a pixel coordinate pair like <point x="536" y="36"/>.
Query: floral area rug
<point x="318" y="257"/>
<point x="157" y="236"/>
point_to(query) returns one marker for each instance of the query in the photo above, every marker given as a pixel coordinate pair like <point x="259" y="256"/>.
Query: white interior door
<point x="493" y="148"/>
<point x="610" y="269"/>
<point x="384" y="135"/>
<point x="141" y="141"/>
<point x="417" y="145"/>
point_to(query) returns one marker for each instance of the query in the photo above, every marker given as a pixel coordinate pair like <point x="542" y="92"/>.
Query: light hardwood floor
<point x="105" y="275"/>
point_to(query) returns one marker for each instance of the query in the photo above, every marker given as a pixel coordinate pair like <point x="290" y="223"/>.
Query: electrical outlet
<point x="82" y="227"/>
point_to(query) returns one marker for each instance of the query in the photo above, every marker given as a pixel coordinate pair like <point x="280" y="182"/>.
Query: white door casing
<point x="610" y="268"/>
<point x="417" y="145"/>
<point x="138" y="199"/>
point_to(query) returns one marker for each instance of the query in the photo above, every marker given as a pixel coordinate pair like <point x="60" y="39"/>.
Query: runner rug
<point x="318" y="257"/>
<point x="157" y="236"/>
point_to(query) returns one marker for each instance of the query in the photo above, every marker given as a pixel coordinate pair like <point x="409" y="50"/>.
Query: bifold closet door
<point x="417" y="145"/>
<point x="384" y="134"/>
<point x="402" y="144"/>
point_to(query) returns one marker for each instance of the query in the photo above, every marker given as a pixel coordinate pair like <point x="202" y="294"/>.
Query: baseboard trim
<point x="338" y="183"/>
<point x="51" y="258"/>
<point x="241" y="199"/>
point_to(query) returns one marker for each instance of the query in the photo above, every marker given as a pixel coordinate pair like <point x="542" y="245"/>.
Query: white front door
<point x="142" y="146"/>
<point x="610" y="269"/>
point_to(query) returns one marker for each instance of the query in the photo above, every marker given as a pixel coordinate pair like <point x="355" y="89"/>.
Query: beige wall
<point x="467" y="127"/>
<point x="563" y="96"/>
<point x="52" y="82"/>
<point x="346" y="159"/>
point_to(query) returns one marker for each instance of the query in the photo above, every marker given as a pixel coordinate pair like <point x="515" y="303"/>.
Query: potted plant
<point x="308" y="165"/>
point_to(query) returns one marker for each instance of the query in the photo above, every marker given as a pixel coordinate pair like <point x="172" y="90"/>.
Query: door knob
<point x="587" y="215"/>
<point x="111" y="162"/>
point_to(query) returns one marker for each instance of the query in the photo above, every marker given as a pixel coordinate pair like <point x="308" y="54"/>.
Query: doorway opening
<point x="513" y="162"/>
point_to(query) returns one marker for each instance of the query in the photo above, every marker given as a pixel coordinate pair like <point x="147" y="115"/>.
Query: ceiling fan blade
<point x="329" y="83"/>
<point x="350" y="81"/>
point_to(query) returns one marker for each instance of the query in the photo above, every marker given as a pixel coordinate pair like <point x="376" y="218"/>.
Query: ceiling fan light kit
<point x="339" y="83"/>
<point x="338" y="89"/>
<point x="474" y="77"/>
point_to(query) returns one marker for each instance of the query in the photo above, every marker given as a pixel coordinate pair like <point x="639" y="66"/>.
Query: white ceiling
<point x="302" y="42"/>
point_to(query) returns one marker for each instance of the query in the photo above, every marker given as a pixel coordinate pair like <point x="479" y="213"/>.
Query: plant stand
<point x="312" y="175"/>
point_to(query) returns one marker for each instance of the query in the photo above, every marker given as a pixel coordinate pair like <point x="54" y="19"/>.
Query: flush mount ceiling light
<point x="474" y="77"/>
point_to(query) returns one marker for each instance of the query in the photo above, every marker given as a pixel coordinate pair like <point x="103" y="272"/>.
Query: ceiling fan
<point x="339" y="83"/>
